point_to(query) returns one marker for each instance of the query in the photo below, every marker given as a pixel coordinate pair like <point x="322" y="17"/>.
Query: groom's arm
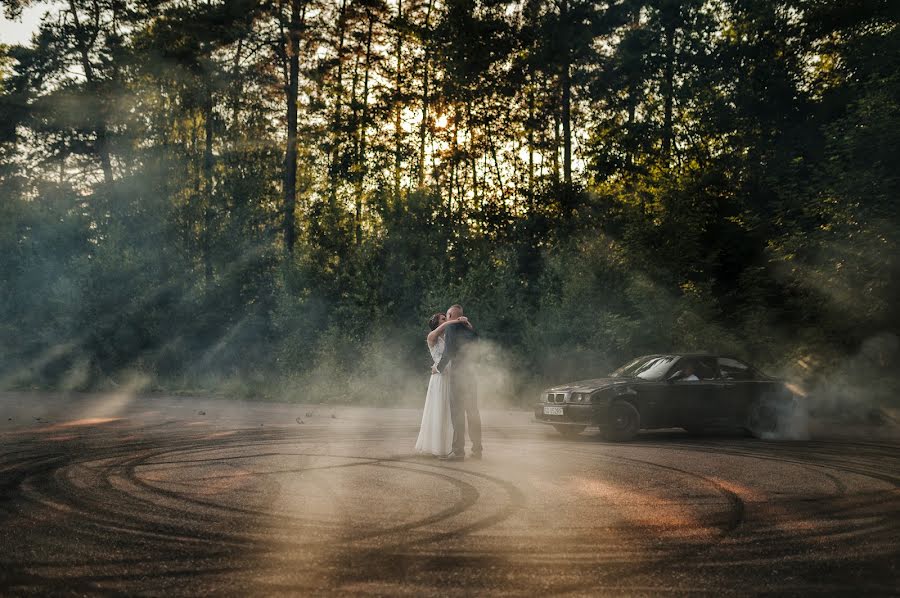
<point x="449" y="347"/>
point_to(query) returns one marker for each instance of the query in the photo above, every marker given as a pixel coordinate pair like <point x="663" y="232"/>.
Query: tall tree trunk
<point x="353" y="132"/>
<point x="353" y="125"/>
<point x="290" y="154"/>
<point x="567" y="126"/>
<point x="336" y="128"/>
<point x="85" y="42"/>
<point x="470" y="125"/>
<point x="426" y="63"/>
<point x="361" y="153"/>
<point x="461" y="173"/>
<point x="208" y="182"/>
<point x="669" y="87"/>
<point x="236" y="89"/>
<point x="530" y="126"/>
<point x="566" y="84"/>
<point x="197" y="195"/>
<point x="454" y="161"/>
<point x="496" y="160"/>
<point x="556" y="141"/>
<point x="235" y="130"/>
<point x="633" y="84"/>
<point x="632" y="107"/>
<point x="398" y="133"/>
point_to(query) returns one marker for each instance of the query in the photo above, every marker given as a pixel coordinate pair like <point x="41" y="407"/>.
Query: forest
<point x="269" y="198"/>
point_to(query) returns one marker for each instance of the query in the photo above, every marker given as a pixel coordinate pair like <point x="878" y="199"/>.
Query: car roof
<point x="692" y="354"/>
<point x="699" y="354"/>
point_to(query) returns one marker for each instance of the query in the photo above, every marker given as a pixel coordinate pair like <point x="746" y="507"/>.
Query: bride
<point x="436" y="432"/>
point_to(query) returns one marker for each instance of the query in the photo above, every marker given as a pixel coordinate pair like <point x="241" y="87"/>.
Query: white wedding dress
<point x="436" y="432"/>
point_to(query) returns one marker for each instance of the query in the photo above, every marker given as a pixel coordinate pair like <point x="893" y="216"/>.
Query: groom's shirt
<point x="459" y="340"/>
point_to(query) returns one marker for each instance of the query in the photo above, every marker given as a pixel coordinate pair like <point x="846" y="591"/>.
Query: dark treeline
<point x="273" y="197"/>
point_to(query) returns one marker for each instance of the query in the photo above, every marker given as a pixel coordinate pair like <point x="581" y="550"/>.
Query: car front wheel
<point x="570" y="431"/>
<point x="624" y="421"/>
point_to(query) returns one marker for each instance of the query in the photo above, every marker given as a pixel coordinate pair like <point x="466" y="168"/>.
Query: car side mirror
<point x="675" y="376"/>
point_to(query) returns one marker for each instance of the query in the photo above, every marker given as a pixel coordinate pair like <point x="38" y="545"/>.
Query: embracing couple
<point x="452" y="397"/>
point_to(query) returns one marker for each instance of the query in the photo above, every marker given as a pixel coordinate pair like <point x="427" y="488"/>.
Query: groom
<point x="461" y="348"/>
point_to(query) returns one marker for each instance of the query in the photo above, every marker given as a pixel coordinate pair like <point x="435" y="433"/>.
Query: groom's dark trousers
<point x="463" y="409"/>
<point x="461" y="344"/>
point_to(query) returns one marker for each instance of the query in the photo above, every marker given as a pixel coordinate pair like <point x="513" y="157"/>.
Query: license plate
<point x="552" y="410"/>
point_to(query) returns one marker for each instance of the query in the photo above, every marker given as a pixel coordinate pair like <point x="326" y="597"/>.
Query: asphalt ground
<point x="124" y="495"/>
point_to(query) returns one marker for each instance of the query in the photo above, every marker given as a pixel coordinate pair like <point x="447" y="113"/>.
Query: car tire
<point x="570" y="431"/>
<point x="623" y="422"/>
<point x="762" y="419"/>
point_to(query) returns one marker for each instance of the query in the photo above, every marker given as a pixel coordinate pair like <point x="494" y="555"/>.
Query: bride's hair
<point x="435" y="321"/>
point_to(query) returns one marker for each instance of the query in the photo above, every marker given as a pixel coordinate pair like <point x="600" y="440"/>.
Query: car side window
<point x="695" y="369"/>
<point x="732" y="369"/>
<point x="706" y="368"/>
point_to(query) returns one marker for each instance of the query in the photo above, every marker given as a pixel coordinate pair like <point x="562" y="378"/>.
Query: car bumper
<point x="575" y="415"/>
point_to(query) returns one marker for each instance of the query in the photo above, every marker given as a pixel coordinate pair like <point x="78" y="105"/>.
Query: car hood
<point x="592" y="384"/>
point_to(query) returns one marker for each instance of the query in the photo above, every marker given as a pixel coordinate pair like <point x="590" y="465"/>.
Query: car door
<point x="702" y="398"/>
<point x="739" y="388"/>
<point x="650" y="391"/>
<point x="654" y="404"/>
<point x="691" y="400"/>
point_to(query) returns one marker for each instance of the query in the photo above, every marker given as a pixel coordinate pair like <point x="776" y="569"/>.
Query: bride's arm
<point x="434" y="334"/>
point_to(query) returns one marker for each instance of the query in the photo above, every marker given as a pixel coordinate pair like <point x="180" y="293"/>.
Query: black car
<point x="694" y="391"/>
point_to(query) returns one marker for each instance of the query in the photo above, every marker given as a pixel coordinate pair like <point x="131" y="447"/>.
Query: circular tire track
<point x="102" y="493"/>
<point x="107" y="507"/>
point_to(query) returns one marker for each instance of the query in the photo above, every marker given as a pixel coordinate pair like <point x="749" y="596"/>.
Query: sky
<point x="20" y="30"/>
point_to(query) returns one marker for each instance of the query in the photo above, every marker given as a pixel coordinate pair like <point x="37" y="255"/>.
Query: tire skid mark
<point x="130" y="474"/>
<point x="839" y="486"/>
<point x="882" y="523"/>
<point x="469" y="496"/>
<point x="676" y="552"/>
<point x="111" y="464"/>
<point x="690" y="553"/>
<point x="92" y="510"/>
<point x="768" y="456"/>
<point x="737" y="508"/>
<point x="97" y="518"/>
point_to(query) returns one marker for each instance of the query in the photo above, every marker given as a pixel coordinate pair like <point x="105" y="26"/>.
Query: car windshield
<point x="646" y="368"/>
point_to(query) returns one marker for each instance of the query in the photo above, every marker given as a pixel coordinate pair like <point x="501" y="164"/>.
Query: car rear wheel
<point x="623" y="423"/>
<point x="570" y="431"/>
